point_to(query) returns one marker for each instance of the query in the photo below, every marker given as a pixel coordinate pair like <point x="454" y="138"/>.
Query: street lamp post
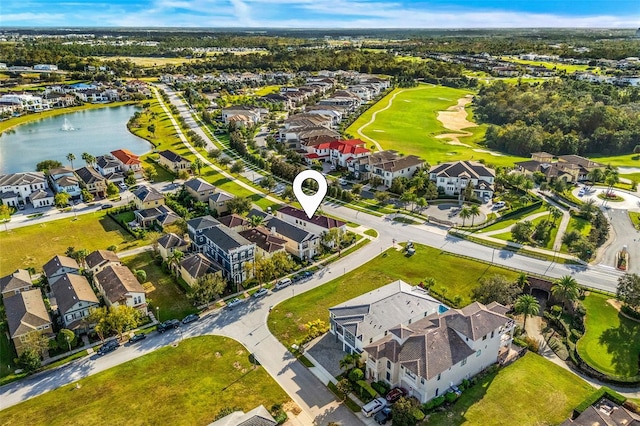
<point x="158" y="313"/>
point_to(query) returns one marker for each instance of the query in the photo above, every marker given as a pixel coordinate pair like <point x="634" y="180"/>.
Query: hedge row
<point x="604" y="391"/>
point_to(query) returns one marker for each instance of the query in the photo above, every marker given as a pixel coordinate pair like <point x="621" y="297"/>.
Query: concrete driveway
<point x="451" y="212"/>
<point x="625" y="235"/>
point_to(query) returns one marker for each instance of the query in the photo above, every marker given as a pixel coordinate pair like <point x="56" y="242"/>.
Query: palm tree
<point x="474" y="210"/>
<point x="555" y="213"/>
<point x="174" y="259"/>
<point x="197" y="165"/>
<point x="522" y="280"/>
<point x="256" y="221"/>
<point x="88" y="158"/>
<point x="566" y="288"/>
<point x="465" y="213"/>
<point x="595" y="175"/>
<point x="611" y="179"/>
<point x="70" y="158"/>
<point x="526" y="305"/>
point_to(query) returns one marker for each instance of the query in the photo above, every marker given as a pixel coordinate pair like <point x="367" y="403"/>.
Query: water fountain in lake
<point x="67" y="127"/>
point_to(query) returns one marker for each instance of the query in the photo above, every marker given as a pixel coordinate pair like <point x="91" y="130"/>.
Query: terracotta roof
<point x="117" y="281"/>
<point x="319" y="220"/>
<point x="26" y="312"/>
<point x="126" y="156"/>
<point x="71" y="289"/>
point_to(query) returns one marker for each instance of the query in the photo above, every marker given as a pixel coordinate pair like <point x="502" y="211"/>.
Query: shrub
<point x="629" y="311"/>
<point x="450" y="396"/>
<point x="381" y="387"/>
<point x="365" y="390"/>
<point x="576" y="334"/>
<point x="355" y="375"/>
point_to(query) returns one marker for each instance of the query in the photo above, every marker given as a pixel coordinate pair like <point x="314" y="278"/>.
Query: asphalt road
<point x="626" y="235"/>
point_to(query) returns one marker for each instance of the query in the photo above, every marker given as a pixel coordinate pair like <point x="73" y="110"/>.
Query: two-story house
<point x="74" y="299"/>
<point x="169" y="243"/>
<point x="337" y="152"/>
<point x="64" y="180"/>
<point x="58" y="266"/>
<point x="318" y="224"/>
<point x="300" y="242"/>
<point x="151" y="208"/>
<point x="454" y="177"/>
<point x="196" y="266"/>
<point x="94" y="182"/>
<point x="119" y="286"/>
<point x="218" y="202"/>
<point x="249" y="115"/>
<point x="429" y="356"/>
<point x="266" y="243"/>
<point x="230" y="250"/>
<point x="17" y="188"/>
<point x="195" y="228"/>
<point x="173" y="162"/>
<point x="15" y="283"/>
<point x="199" y="189"/>
<point x="128" y="162"/>
<point x="26" y="313"/>
<point x="146" y="197"/>
<point x="97" y="260"/>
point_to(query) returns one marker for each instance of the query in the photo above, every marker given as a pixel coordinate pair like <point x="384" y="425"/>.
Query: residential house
<point x="15" y="283"/>
<point x="338" y="152"/>
<point x="197" y="266"/>
<point x="17" y="188"/>
<point x="119" y="286"/>
<point x="230" y="250"/>
<point x="93" y="181"/>
<point x="266" y="243"/>
<point x="74" y="299"/>
<point x="386" y="165"/>
<point x="604" y="413"/>
<point x="568" y="168"/>
<point x="300" y="242"/>
<point x="307" y="135"/>
<point x="173" y="162"/>
<point x="318" y="224"/>
<point x="234" y="221"/>
<point x="259" y="416"/>
<point x="25" y="102"/>
<point x="26" y="313"/>
<point x="430" y="355"/>
<point x="128" y="162"/>
<point x="199" y="189"/>
<point x="454" y="177"/>
<point x="58" y="266"/>
<point x="65" y="180"/>
<point x="195" y="228"/>
<point x="368" y="318"/>
<point x="584" y="165"/>
<point x="159" y="216"/>
<point x="218" y="202"/>
<point x="98" y="260"/>
<point x="171" y="242"/>
<point x="107" y="165"/>
<point x="336" y="113"/>
<point x="147" y="197"/>
<point x="42" y="198"/>
<point x="249" y="115"/>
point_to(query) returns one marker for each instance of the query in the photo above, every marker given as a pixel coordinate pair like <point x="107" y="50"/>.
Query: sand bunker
<point x="455" y="118"/>
<point x="495" y="154"/>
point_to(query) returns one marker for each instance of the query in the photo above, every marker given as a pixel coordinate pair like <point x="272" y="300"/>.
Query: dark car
<point x="137" y="337"/>
<point x="395" y="394"/>
<point x="168" y="325"/>
<point x="307" y="274"/>
<point x="190" y="318"/>
<point x="296" y="278"/>
<point x="111" y="345"/>
<point x="383" y="416"/>
<point x="107" y="206"/>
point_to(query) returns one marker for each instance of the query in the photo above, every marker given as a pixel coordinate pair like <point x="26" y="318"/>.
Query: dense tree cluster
<point x="560" y="117"/>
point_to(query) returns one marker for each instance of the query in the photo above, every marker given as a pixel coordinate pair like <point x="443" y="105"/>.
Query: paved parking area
<point x="450" y="212"/>
<point x="328" y="352"/>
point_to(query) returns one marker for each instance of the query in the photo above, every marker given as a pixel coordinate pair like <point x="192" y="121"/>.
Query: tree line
<point x="560" y="117"/>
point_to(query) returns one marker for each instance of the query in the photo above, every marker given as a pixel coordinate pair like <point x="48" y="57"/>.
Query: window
<point x="478" y="353"/>
<point x="370" y="339"/>
<point x="422" y="380"/>
<point x="439" y="375"/>
<point x="484" y="337"/>
<point x="388" y="376"/>
<point x="437" y="391"/>
<point x="464" y="361"/>
<point x="493" y="334"/>
<point x="388" y="364"/>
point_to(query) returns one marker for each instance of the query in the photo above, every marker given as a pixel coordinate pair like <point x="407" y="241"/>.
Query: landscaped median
<point x="188" y="384"/>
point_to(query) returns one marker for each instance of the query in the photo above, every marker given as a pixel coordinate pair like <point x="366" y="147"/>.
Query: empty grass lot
<point x="569" y="68"/>
<point x="531" y="391"/>
<point x="583" y="226"/>
<point x="459" y="276"/>
<point x="410" y="126"/>
<point x="167" y="294"/>
<point x="35" y="245"/>
<point x="185" y="385"/>
<point x="611" y="343"/>
<point x="512" y="220"/>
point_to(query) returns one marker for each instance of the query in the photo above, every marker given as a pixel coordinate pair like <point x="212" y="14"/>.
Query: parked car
<point x="307" y="274"/>
<point x="110" y="346"/>
<point x="373" y="407"/>
<point x="137" y="337"/>
<point x="486" y="199"/>
<point x="395" y="394"/>
<point x="234" y="302"/>
<point x="260" y="293"/>
<point x="296" y="278"/>
<point x="499" y="205"/>
<point x="122" y="186"/>
<point x="343" y="182"/>
<point x="168" y="325"/>
<point x="190" y="318"/>
<point x="285" y="282"/>
<point x="107" y="206"/>
<point x="383" y="416"/>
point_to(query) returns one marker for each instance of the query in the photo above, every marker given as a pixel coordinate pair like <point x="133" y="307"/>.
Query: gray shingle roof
<point x="198" y="265"/>
<point x="171" y="240"/>
<point x="283" y="228"/>
<point x="26" y="178"/>
<point x="172" y="156"/>
<point x="98" y="257"/>
<point x="148" y="193"/>
<point x="26" y="312"/>
<point x="19" y="279"/>
<point x="203" y="222"/>
<point x="455" y="169"/>
<point x="225" y="238"/>
<point x="71" y="289"/>
<point x="199" y="185"/>
<point x="57" y="262"/>
<point x="89" y="175"/>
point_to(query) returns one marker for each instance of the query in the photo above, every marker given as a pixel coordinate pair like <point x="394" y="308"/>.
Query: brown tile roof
<point x="19" y="279"/>
<point x="198" y="265"/>
<point x="233" y="220"/>
<point x="319" y="220"/>
<point x="117" y="281"/>
<point x="71" y="289"/>
<point x="262" y="238"/>
<point x="26" y="312"/>
<point x="99" y="257"/>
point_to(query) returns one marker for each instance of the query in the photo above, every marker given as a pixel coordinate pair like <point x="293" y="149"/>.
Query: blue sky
<point x="322" y="13"/>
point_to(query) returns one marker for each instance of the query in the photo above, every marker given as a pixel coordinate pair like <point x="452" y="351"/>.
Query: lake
<point x="96" y="131"/>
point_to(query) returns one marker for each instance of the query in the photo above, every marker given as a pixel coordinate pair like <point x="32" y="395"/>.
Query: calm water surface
<point x="96" y="131"/>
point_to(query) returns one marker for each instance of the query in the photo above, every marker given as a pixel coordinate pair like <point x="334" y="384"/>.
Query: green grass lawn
<point x="459" y="276"/>
<point x="35" y="245"/>
<point x="577" y="224"/>
<point x="569" y="68"/>
<point x="266" y="90"/>
<point x="507" y="235"/>
<point x="510" y="221"/>
<point x="629" y="160"/>
<point x="635" y="219"/>
<point x="168" y="295"/>
<point x="531" y="391"/>
<point x="410" y="126"/>
<point x="611" y="343"/>
<point x="185" y="385"/>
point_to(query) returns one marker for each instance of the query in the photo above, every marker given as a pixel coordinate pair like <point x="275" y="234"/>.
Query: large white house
<point x="429" y="356"/>
<point x="387" y="165"/>
<point x="17" y="188"/>
<point x="454" y="177"/>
